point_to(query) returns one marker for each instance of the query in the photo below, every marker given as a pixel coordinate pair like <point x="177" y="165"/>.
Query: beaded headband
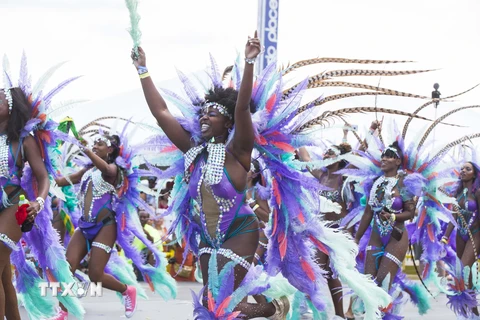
<point x="220" y="108"/>
<point x="106" y="140"/>
<point x="391" y="149"/>
<point x="335" y="150"/>
<point x="8" y="95"/>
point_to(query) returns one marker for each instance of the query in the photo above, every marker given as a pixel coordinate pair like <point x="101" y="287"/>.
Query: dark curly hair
<point x="21" y="113"/>
<point x="227" y="97"/>
<point x="115" y="141"/>
<point x="344" y="148"/>
<point x="390" y="154"/>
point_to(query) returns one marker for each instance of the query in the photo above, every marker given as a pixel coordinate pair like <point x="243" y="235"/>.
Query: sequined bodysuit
<point x="469" y="213"/>
<point x="221" y="205"/>
<point x="10" y="174"/>
<point x="103" y="197"/>
<point x="381" y="199"/>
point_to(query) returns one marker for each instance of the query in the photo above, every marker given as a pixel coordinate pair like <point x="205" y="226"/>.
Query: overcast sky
<point x="91" y="35"/>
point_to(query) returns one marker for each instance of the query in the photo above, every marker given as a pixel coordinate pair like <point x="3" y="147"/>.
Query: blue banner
<point x="268" y="30"/>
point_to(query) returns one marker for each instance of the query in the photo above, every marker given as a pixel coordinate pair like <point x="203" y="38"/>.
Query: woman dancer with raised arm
<point x="216" y="169"/>
<point x="333" y="184"/>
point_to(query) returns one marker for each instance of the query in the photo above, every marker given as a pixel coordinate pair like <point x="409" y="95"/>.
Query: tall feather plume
<point x="61" y="107"/>
<point x="407" y="123"/>
<point x="429" y="130"/>
<point x="345" y="84"/>
<point x="307" y="62"/>
<point x="190" y="89"/>
<point x="48" y="97"/>
<point x="452" y="144"/>
<point x="134" y="29"/>
<point x="319" y="78"/>
<point x="357" y="94"/>
<point x="330" y="115"/>
<point x="7" y="80"/>
<point x="23" y="80"/>
<point x="44" y="79"/>
<point x="215" y="72"/>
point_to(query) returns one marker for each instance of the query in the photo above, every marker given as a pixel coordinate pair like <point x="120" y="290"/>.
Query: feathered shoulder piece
<point x="40" y="124"/>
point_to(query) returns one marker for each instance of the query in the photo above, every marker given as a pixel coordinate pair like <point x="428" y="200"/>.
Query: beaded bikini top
<point x="100" y="187"/>
<point x="8" y="167"/>
<point x="213" y="169"/>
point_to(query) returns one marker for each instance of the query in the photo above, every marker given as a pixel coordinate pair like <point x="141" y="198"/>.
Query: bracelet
<point x="142" y="70"/>
<point x="371" y="131"/>
<point x="41" y="202"/>
<point x="255" y="207"/>
<point x="144" y="75"/>
<point x="393" y="217"/>
<point x="250" y="201"/>
<point x="444" y="240"/>
<point x="344" y="140"/>
<point x="250" y="61"/>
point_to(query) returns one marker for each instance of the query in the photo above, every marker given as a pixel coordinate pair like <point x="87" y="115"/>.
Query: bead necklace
<point x="467" y="214"/>
<point x="385" y="185"/>
<point x="4" y="170"/>
<point x="211" y="174"/>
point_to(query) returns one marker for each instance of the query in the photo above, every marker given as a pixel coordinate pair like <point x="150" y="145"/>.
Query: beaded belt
<point x="9" y="242"/>
<point x="227" y="253"/>
<point x="102" y="246"/>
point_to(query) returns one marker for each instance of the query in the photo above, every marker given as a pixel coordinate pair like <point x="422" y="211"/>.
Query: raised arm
<point x="107" y="169"/>
<point x="158" y="107"/>
<point x="73" y="178"/>
<point x="242" y="143"/>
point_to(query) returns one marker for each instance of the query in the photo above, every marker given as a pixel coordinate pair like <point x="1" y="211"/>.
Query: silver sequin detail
<point x="9" y="242"/>
<point x="102" y="246"/>
<point x="215" y="161"/>
<point x="227" y="253"/>
<point x="4" y="171"/>
<point x="99" y="188"/>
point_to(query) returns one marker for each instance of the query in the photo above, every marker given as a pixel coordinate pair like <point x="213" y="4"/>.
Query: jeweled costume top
<point x="103" y="194"/>
<point x="210" y="186"/>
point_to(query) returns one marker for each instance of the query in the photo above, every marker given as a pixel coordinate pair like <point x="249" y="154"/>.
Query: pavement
<point x="109" y="307"/>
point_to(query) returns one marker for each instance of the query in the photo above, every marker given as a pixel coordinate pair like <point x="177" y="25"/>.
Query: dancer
<point x="217" y="171"/>
<point x="106" y="186"/>
<point x="14" y="114"/>
<point x="333" y="184"/>
<point x="467" y="194"/>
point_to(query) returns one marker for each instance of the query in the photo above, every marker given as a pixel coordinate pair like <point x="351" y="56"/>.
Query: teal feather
<point x="134" y="29"/>
<point x="121" y="270"/>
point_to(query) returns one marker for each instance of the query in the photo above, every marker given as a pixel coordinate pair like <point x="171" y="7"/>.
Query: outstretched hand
<point x="253" y="47"/>
<point x="139" y="60"/>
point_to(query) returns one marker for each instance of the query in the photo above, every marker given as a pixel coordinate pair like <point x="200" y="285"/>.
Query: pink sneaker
<point x="61" y="315"/>
<point x="130" y="301"/>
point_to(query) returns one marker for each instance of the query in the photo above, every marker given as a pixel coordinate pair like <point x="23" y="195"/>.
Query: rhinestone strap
<point x="4" y="172"/>
<point x="9" y="242"/>
<point x="393" y="258"/>
<point x="102" y="246"/>
<point x="370" y="248"/>
<point x="227" y="253"/>
<point x="263" y="244"/>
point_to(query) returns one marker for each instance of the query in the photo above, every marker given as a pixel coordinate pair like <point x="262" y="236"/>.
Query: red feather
<point x="301" y="218"/>
<point x="425" y="270"/>
<point x="261" y="140"/>
<point x="284" y="146"/>
<point x="149" y="281"/>
<point x="430" y="232"/>
<point x="275" y="217"/>
<point x="169" y="149"/>
<point x="276" y="192"/>
<point x="271" y="103"/>
<point x="319" y="245"/>
<point x="211" y="302"/>
<point x="308" y="269"/>
<point x="123" y="221"/>
<point x="422" y="217"/>
<point x="282" y="241"/>
<point x="221" y="308"/>
<point x="234" y="315"/>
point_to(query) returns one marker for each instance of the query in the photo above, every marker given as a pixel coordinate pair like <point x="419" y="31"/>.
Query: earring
<point x="212" y="140"/>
